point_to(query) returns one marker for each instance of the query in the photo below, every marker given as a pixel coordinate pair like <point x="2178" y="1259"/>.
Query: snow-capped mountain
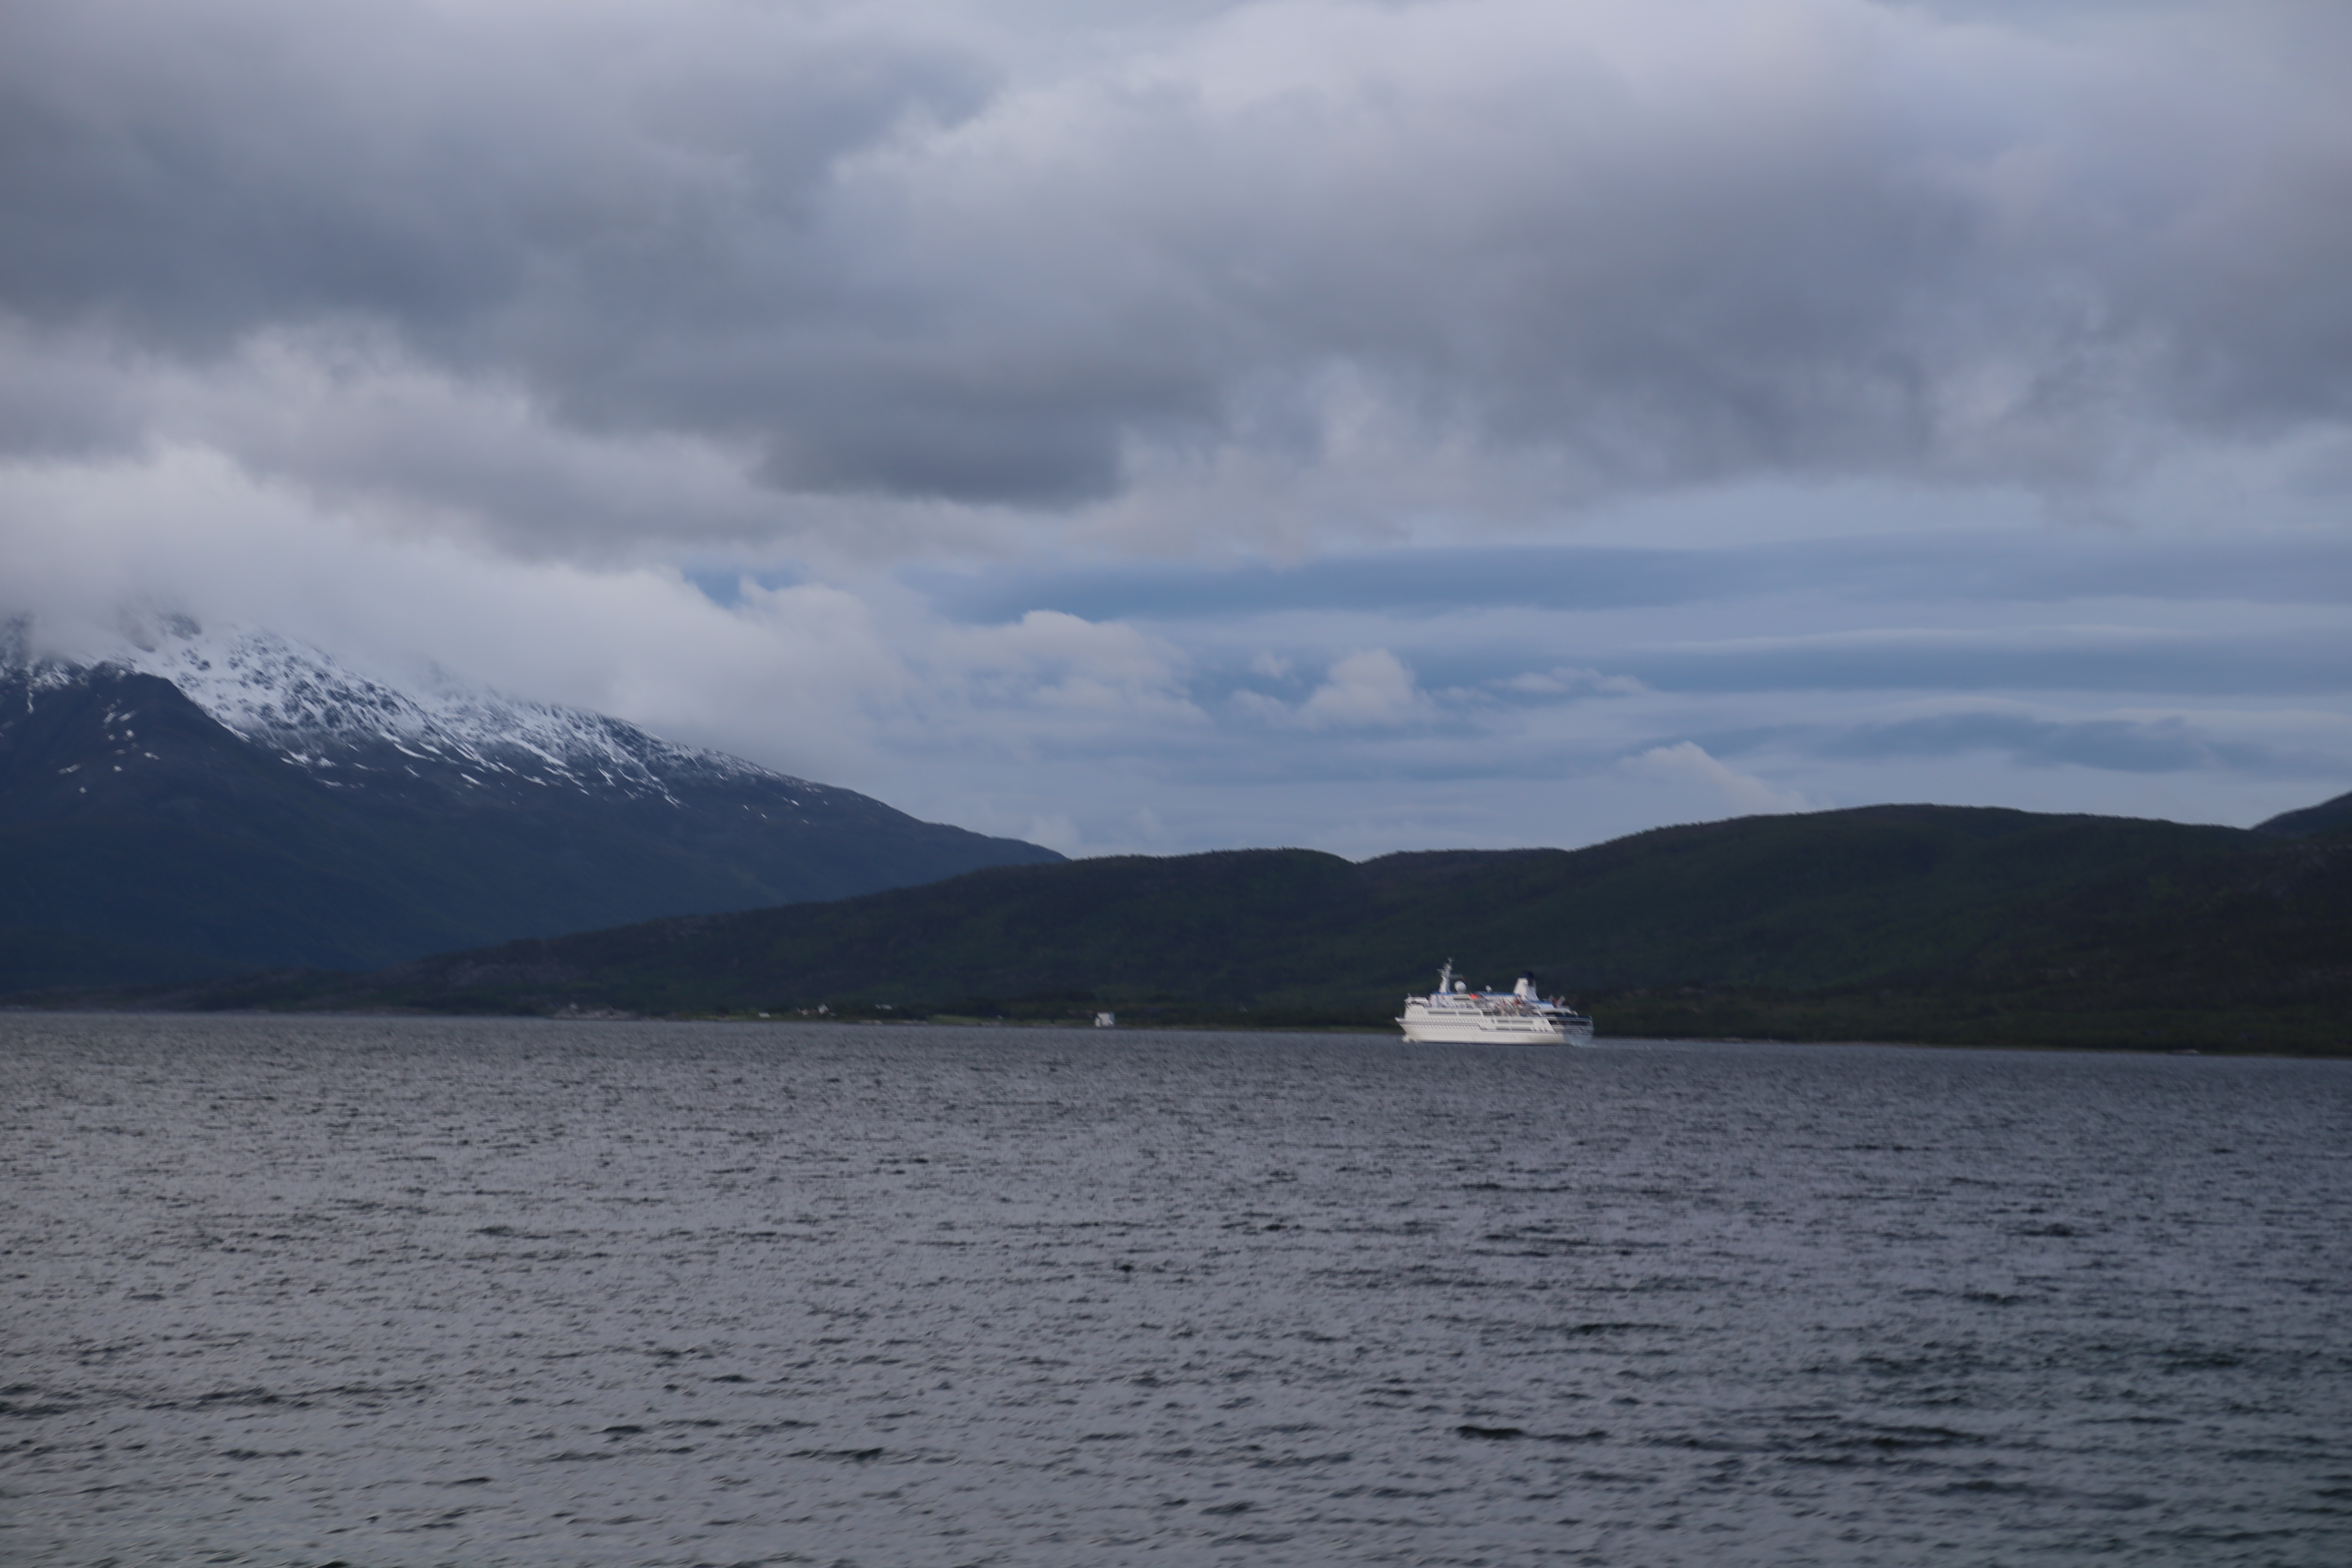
<point x="354" y="732"/>
<point x="230" y="798"/>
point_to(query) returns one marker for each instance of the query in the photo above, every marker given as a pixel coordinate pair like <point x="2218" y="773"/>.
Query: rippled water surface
<point x="477" y="1292"/>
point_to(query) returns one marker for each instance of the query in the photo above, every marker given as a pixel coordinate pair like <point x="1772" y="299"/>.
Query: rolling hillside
<point x="1920" y="922"/>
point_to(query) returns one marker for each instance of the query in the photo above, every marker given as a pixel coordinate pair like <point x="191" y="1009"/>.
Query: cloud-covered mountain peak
<point x="344" y="727"/>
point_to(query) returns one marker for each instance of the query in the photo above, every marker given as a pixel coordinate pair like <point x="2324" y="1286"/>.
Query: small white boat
<point x="1453" y="1015"/>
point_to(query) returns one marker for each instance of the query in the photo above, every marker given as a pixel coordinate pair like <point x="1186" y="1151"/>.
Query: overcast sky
<point x="1163" y="425"/>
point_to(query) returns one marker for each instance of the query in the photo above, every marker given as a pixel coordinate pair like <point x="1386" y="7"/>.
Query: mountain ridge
<point x="2327" y="816"/>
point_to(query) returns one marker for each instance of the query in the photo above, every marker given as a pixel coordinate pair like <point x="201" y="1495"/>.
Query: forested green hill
<point x="1914" y="923"/>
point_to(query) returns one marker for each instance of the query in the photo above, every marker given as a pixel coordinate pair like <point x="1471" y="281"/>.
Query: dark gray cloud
<point x="474" y="176"/>
<point x="929" y="256"/>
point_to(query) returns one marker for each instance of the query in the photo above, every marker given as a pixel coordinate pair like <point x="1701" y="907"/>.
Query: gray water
<point x="488" y="1292"/>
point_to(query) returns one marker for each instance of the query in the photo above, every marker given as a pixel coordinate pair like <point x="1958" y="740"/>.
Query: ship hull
<point x="1481" y="1032"/>
<point x="1423" y="1026"/>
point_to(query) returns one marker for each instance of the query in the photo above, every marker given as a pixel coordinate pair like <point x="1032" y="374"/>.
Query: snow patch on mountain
<point x="19" y="661"/>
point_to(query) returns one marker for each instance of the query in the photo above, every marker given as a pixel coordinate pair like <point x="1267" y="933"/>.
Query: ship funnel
<point x="1526" y="989"/>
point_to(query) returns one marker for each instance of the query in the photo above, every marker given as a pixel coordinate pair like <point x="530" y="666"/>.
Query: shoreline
<point x="2222" y="1052"/>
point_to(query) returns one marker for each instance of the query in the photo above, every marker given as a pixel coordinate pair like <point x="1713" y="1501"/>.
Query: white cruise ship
<point x="1455" y="1014"/>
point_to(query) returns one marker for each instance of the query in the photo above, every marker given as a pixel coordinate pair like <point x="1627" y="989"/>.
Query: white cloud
<point x="1271" y="666"/>
<point x="1266" y="710"/>
<point x="1368" y="687"/>
<point x="1057" y="831"/>
<point x="1051" y="661"/>
<point x="1563" y="680"/>
<point x="1707" y="787"/>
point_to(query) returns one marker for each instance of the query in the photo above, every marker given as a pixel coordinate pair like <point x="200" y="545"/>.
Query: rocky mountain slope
<point x="198" y="801"/>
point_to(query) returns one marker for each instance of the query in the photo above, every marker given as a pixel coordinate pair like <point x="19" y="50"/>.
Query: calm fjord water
<point x="475" y="1292"/>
